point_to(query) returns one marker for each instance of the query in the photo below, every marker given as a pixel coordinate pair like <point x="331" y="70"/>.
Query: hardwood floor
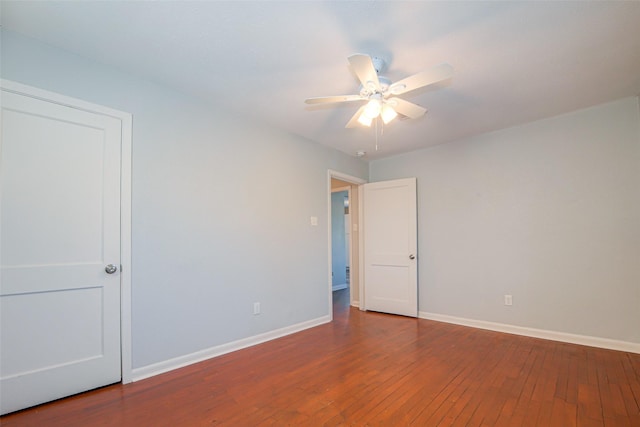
<point x="373" y="369"/>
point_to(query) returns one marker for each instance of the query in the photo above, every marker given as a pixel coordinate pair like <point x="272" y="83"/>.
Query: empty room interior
<point x="320" y="213"/>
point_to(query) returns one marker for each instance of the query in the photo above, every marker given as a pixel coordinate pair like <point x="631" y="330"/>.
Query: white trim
<point x="361" y="246"/>
<point x="209" y="353"/>
<point x="339" y="287"/>
<point x="344" y="177"/>
<point x="125" y="202"/>
<point x="353" y="180"/>
<point x="536" y="333"/>
<point x="125" y="247"/>
<point x="355" y="303"/>
<point x="45" y="95"/>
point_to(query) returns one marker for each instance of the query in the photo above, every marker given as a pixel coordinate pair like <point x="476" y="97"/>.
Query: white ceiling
<point x="514" y="62"/>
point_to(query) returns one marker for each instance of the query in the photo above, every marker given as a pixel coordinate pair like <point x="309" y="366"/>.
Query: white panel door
<point x="59" y="228"/>
<point x="390" y="243"/>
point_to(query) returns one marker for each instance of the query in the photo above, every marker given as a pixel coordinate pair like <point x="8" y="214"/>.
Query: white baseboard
<point x="199" y="356"/>
<point x="355" y="303"/>
<point x="339" y="287"/>
<point x="536" y="333"/>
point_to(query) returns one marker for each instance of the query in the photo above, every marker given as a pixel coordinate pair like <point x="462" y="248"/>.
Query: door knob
<point x="412" y="256"/>
<point x="110" y="269"/>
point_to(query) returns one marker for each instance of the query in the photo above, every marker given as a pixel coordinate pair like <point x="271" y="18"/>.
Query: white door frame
<point x="357" y="181"/>
<point x="125" y="203"/>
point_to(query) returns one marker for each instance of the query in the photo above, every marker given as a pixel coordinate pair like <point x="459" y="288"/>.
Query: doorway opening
<point x="344" y="241"/>
<point x="340" y="247"/>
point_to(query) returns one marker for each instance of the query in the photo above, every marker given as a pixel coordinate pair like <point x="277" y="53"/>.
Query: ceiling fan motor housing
<point x="384" y="85"/>
<point x="379" y="64"/>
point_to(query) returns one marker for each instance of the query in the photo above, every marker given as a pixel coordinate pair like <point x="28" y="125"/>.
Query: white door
<point x="390" y="247"/>
<point x="59" y="229"/>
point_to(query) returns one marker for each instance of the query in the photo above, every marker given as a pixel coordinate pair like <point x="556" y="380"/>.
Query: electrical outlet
<point x="256" y="308"/>
<point x="508" y="300"/>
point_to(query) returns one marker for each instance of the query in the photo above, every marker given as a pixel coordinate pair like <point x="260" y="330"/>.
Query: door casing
<point x="356" y="181"/>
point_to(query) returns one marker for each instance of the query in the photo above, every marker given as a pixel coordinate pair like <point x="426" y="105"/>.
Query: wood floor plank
<point x="372" y="369"/>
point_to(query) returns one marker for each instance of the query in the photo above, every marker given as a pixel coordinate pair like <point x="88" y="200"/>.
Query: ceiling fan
<point x="382" y="95"/>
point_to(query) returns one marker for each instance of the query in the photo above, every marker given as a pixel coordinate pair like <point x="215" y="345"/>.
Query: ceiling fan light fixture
<point x="373" y="108"/>
<point x="364" y="120"/>
<point x="387" y="113"/>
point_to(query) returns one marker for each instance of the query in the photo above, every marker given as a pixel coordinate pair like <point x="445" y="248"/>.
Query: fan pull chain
<point x="381" y="133"/>
<point x="377" y="133"/>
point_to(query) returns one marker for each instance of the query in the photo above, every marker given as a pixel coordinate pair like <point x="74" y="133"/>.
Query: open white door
<point x="390" y="247"/>
<point x="60" y="258"/>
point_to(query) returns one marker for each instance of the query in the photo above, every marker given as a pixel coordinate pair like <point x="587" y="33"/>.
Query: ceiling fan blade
<point x="362" y="65"/>
<point x="406" y="108"/>
<point x="424" y="78"/>
<point x="333" y="99"/>
<point x="354" y="120"/>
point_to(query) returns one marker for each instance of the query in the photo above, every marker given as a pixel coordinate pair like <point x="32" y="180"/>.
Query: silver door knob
<point x="110" y="269"/>
<point x="412" y="256"/>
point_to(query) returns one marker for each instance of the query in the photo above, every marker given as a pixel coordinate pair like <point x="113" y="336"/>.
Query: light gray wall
<point x="548" y="212"/>
<point x="338" y="239"/>
<point x="221" y="208"/>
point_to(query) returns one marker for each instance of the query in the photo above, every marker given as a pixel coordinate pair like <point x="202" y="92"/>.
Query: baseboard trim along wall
<point x="339" y="287"/>
<point x="199" y="356"/>
<point x="536" y="333"/>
